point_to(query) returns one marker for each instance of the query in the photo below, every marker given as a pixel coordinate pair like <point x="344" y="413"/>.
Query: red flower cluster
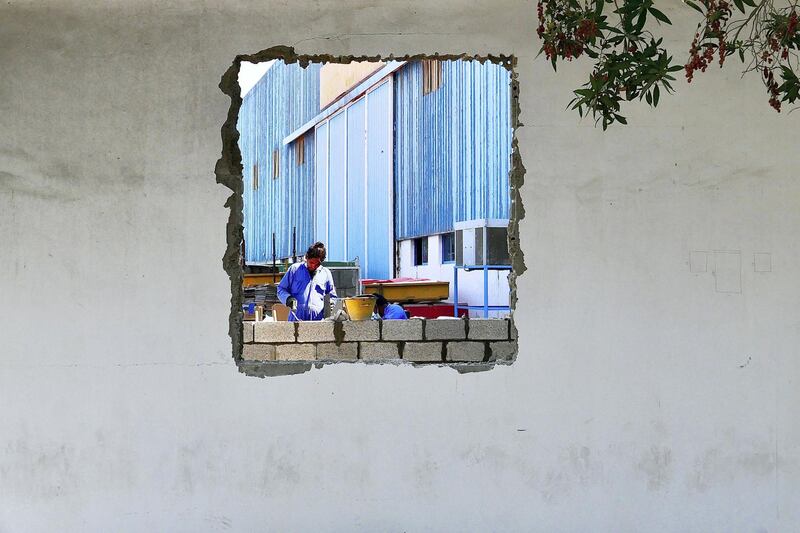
<point x="787" y="34"/>
<point x="791" y="26"/>
<point x="718" y="12"/>
<point x="698" y="61"/>
<point x="772" y="89"/>
<point x="775" y="50"/>
<point x="562" y="38"/>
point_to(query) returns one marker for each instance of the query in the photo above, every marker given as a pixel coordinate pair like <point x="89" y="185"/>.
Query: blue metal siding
<point x="337" y="188"/>
<point x="355" y="159"/>
<point x="285" y="98"/>
<point x="380" y="241"/>
<point x="321" y="182"/>
<point x="356" y="179"/>
<point x="452" y="147"/>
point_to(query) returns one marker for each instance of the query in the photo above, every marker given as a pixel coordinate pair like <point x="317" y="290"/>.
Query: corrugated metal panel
<point x="285" y="98"/>
<point x="356" y="162"/>
<point x="380" y="241"/>
<point x="356" y="182"/>
<point x="321" y="182"/>
<point x="452" y="147"/>
<point x="337" y="188"/>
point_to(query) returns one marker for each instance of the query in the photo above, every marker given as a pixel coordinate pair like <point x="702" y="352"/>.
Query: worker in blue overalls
<point x="305" y="285"/>
<point x="389" y="311"/>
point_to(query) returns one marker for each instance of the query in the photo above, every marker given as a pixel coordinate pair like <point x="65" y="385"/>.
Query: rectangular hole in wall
<point x="387" y="239"/>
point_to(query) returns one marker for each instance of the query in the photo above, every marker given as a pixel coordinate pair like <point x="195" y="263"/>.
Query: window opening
<point x="377" y="211"/>
<point x="300" y="150"/>
<point x="421" y="251"/>
<point x="448" y="241"/>
<point x="431" y="75"/>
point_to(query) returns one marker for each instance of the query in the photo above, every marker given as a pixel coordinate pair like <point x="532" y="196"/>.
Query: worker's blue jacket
<point x="394" y="312"/>
<point x="308" y="290"/>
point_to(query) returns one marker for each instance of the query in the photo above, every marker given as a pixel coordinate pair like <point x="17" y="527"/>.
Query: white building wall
<point x="470" y="284"/>
<point x="656" y="383"/>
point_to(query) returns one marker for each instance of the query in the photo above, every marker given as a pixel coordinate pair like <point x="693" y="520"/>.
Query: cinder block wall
<point x="417" y="340"/>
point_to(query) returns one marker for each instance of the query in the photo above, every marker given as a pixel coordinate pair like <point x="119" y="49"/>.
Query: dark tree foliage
<point x="630" y="62"/>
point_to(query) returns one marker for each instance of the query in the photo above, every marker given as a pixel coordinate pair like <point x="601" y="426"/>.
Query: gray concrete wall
<point x="644" y="397"/>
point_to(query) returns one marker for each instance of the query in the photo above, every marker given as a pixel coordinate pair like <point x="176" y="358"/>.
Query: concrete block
<point x="513" y="330"/>
<point x="295" y="352"/>
<point x="423" y="351"/>
<point x="321" y="331"/>
<point x="328" y="351"/>
<point x="503" y="350"/>
<point x="247" y="331"/>
<point x="379" y="350"/>
<point x="492" y="329"/>
<point x="258" y="352"/>
<point x="465" y="351"/>
<point x="361" y="330"/>
<point x="274" y="332"/>
<point x="442" y="329"/>
<point x="402" y="330"/>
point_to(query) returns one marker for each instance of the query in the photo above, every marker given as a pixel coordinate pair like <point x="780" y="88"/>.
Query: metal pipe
<point x="485" y="287"/>
<point x="455" y="290"/>
<point x="274" y="270"/>
<point x="294" y="244"/>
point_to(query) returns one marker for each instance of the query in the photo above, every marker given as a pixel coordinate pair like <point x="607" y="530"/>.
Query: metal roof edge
<point x="344" y="100"/>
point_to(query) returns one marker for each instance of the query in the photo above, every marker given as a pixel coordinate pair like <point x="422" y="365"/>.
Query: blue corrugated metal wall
<point x="284" y="99"/>
<point x="452" y="147"/>
<point x="354" y="183"/>
<point x="380" y="241"/>
<point x="337" y="187"/>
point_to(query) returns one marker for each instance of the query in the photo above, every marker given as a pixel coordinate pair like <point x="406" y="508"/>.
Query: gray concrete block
<point x="274" y="332"/>
<point x="402" y="330"/>
<point x="258" y="352"/>
<point x="442" y="329"/>
<point x="321" y="331"/>
<point x="465" y="351"/>
<point x="379" y="350"/>
<point x="295" y="352"/>
<point x="247" y="331"/>
<point x="513" y="330"/>
<point x="329" y="351"/>
<point x="422" y="351"/>
<point x="503" y="350"/>
<point x="361" y="330"/>
<point x="492" y="329"/>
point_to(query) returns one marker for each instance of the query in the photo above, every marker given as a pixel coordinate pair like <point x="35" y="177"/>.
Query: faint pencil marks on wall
<point x="762" y="262"/>
<point x="698" y="262"/>
<point x="728" y="271"/>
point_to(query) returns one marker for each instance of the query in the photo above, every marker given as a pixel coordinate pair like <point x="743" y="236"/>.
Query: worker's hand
<point x="291" y="303"/>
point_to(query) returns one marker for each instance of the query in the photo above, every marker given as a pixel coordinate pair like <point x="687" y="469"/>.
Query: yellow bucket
<point x="359" y="307"/>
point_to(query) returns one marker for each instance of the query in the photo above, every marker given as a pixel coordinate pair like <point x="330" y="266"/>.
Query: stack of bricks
<point x="440" y="340"/>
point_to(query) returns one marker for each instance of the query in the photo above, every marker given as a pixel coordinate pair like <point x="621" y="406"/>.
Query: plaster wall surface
<point x="649" y="394"/>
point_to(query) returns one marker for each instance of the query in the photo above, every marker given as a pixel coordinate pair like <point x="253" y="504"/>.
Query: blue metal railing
<point x="486" y="307"/>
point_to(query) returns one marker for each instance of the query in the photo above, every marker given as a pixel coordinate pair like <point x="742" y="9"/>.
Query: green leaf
<point x="656" y="94"/>
<point x="621" y="119"/>
<point x="693" y="6"/>
<point x="661" y="16"/>
<point x="739" y="5"/>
